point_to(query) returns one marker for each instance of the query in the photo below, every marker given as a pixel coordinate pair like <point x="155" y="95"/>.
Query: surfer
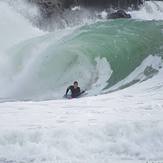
<point x="75" y="90"/>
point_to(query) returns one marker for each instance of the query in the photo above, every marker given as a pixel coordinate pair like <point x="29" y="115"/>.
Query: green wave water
<point x="125" y="44"/>
<point x="42" y="68"/>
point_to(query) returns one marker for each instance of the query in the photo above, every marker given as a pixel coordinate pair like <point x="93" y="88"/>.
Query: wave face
<point x="103" y="57"/>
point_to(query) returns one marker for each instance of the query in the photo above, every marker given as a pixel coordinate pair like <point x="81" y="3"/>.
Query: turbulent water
<point x="102" y="56"/>
<point x="105" y="56"/>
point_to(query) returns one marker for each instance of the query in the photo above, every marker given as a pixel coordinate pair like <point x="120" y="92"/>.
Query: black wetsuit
<point x="74" y="92"/>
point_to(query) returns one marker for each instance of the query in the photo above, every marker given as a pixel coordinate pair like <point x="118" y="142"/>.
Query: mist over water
<point x="101" y="56"/>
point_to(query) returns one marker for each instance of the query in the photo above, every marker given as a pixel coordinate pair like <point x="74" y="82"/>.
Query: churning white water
<point x="151" y="10"/>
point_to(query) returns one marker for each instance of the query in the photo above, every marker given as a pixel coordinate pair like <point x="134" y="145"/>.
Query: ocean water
<point x="119" y="63"/>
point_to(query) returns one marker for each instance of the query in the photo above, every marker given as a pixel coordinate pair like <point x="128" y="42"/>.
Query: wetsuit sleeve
<point x="67" y="90"/>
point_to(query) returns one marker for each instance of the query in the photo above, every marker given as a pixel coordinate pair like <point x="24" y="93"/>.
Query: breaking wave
<point x="103" y="56"/>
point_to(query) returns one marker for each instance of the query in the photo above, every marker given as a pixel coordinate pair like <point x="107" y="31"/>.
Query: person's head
<point x="75" y="84"/>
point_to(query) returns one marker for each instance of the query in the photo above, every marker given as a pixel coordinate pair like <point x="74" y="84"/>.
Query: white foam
<point x="124" y="126"/>
<point x="75" y="8"/>
<point x="102" y="72"/>
<point x="14" y="27"/>
<point x="28" y="10"/>
<point x="104" y="14"/>
<point x="151" y="10"/>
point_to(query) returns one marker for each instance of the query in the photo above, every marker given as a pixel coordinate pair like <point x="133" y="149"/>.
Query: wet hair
<point x="75" y="82"/>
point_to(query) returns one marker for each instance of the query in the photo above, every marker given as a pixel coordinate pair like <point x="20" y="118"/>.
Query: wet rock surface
<point x="59" y="13"/>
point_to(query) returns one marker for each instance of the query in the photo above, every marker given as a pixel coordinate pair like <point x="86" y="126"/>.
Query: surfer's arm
<point x="67" y="90"/>
<point x="83" y="91"/>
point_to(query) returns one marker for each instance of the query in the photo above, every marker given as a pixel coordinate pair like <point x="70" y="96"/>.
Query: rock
<point x="50" y="5"/>
<point x="110" y="3"/>
<point x="59" y="13"/>
<point x="119" y="14"/>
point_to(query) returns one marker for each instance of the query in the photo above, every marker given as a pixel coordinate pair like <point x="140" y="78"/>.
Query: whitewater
<point x="119" y="62"/>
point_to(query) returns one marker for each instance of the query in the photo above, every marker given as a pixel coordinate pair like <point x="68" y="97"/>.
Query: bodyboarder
<point x="75" y="90"/>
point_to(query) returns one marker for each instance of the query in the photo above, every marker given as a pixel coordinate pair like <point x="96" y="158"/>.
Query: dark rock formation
<point x="109" y="3"/>
<point x="57" y="13"/>
<point x="50" y="6"/>
<point x="119" y="14"/>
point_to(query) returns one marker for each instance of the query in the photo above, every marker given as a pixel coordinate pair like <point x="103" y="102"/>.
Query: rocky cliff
<point x="50" y="6"/>
<point x="56" y="12"/>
